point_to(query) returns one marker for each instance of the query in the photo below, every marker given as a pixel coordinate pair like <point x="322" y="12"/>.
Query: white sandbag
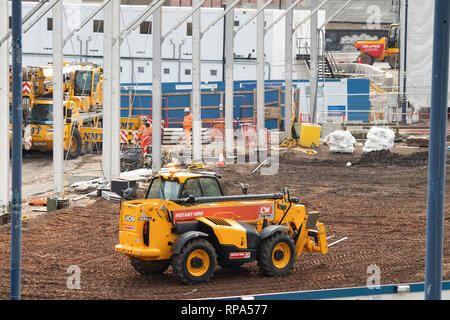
<point x="340" y="141"/>
<point x="379" y="139"/>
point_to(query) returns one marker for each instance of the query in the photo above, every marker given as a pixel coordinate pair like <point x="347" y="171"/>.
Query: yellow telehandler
<point x="186" y="221"/>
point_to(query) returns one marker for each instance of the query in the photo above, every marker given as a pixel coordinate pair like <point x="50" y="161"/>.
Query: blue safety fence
<point x="383" y="292"/>
<point x="136" y="100"/>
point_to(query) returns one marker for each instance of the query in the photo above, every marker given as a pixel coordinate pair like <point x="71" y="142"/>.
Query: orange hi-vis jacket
<point x="145" y="135"/>
<point x="187" y="122"/>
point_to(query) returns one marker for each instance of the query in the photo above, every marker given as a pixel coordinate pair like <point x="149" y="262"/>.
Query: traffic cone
<point x="221" y="162"/>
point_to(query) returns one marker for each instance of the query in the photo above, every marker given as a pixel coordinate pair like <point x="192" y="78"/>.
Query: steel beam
<point x="196" y="85"/>
<point x="335" y="14"/>
<point x="4" y="109"/>
<point x="229" y="80"/>
<point x="85" y="21"/>
<point x="41" y="14"/>
<point x="261" y="5"/>
<point x="58" y="101"/>
<point x="149" y="10"/>
<point x="25" y="19"/>
<point x="437" y="153"/>
<point x="156" y="89"/>
<point x="289" y="9"/>
<point x="229" y="7"/>
<point x="313" y="12"/>
<point x="192" y="13"/>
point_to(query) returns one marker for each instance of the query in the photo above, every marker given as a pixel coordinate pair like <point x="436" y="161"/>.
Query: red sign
<point x="239" y="255"/>
<point x="373" y="49"/>
<point x="240" y="213"/>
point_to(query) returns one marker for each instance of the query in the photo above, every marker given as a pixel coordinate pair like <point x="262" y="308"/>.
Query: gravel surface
<point x="379" y="203"/>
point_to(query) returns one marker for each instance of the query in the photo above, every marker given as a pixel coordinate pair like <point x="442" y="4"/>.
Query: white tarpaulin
<point x="379" y="139"/>
<point x="419" y="57"/>
<point x="340" y="141"/>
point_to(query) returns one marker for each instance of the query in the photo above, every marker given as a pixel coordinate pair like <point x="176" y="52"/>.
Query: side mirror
<point x="286" y="195"/>
<point x="190" y="199"/>
<point x="243" y="188"/>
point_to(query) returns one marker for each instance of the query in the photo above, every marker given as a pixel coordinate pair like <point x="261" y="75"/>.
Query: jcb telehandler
<point x="186" y="221"/>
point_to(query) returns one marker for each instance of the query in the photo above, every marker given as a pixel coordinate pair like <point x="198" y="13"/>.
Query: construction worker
<point x="145" y="137"/>
<point x="187" y="125"/>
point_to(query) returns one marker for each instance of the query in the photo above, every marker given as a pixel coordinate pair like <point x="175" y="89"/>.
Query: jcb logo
<point x="265" y="210"/>
<point x="94" y="137"/>
<point x="35" y="130"/>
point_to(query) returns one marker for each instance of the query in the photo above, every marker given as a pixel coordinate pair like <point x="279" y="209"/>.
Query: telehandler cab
<point x="186" y="221"/>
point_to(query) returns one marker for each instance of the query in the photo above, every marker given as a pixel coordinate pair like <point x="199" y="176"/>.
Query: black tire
<point x="366" y="58"/>
<point x="276" y="255"/>
<point x="149" y="267"/>
<point x="74" y="145"/>
<point x="394" y="61"/>
<point x="190" y="266"/>
<point x="87" y="146"/>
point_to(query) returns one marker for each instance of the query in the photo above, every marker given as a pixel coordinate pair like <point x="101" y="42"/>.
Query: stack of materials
<point x="379" y="139"/>
<point x="340" y="141"/>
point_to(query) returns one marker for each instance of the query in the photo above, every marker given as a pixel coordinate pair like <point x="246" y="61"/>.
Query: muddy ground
<point x="379" y="202"/>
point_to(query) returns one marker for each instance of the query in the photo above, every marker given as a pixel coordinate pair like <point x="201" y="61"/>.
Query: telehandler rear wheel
<point x="196" y="262"/>
<point x="149" y="267"/>
<point x="74" y="145"/>
<point x="276" y="255"/>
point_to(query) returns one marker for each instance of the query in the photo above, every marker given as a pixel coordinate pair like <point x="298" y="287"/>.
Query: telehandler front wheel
<point x="149" y="267"/>
<point x="276" y="255"/>
<point x="196" y="262"/>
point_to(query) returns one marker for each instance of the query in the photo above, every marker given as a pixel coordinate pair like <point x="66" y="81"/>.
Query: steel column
<point x="4" y="109"/>
<point x="288" y="48"/>
<point x="229" y="81"/>
<point x="196" y="86"/>
<point x="58" y="101"/>
<point x="156" y="89"/>
<point x="437" y="153"/>
<point x="16" y="205"/>
<point x="115" y="91"/>
<point x="107" y="92"/>
<point x="260" y="108"/>
<point x="313" y="58"/>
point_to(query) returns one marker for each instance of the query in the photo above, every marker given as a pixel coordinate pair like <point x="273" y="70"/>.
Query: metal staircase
<point x="326" y="65"/>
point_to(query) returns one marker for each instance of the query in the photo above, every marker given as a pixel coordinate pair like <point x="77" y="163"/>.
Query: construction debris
<point x="418" y="141"/>
<point x="111" y="196"/>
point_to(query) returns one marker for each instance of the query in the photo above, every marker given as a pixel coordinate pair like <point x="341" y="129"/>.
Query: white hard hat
<point x="187" y="110"/>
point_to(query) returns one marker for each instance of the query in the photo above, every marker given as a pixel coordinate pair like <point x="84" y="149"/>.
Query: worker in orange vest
<point x="145" y="137"/>
<point x="187" y="125"/>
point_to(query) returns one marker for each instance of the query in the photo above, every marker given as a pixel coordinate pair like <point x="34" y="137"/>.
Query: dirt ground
<point x="379" y="202"/>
